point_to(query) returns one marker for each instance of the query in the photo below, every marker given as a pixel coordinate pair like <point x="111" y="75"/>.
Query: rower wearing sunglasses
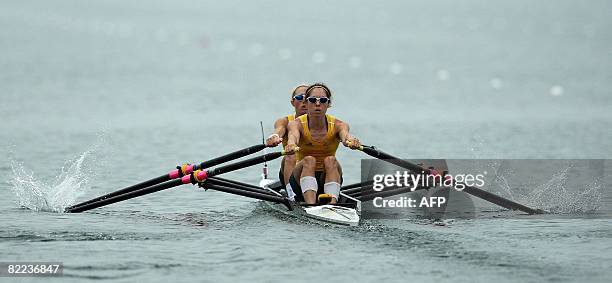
<point x="317" y="135"/>
<point x="298" y="96"/>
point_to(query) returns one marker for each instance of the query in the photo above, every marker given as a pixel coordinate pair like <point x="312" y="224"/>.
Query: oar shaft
<point x="249" y="193"/>
<point x="177" y="173"/>
<point x="503" y="202"/>
<point x="144" y="184"/>
<point x="357" y="186"/>
<point x="232" y="183"/>
<point x="371" y="151"/>
<point x="126" y="196"/>
<point x="230" y="156"/>
<point x="371" y="194"/>
<point x="353" y="191"/>
<point x="245" y="163"/>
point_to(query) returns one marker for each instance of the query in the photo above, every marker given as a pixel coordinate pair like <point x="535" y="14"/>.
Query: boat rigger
<point x="347" y="211"/>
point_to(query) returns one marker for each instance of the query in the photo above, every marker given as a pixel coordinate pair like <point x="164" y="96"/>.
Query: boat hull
<point x="347" y="214"/>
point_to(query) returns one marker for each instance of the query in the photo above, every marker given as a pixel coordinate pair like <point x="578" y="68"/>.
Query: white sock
<point x="290" y="193"/>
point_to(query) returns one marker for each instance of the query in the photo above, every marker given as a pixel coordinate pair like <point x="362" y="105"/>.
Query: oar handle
<point x="360" y="148"/>
<point x="295" y="150"/>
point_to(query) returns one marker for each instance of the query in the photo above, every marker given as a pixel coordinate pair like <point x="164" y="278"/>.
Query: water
<point x="116" y="92"/>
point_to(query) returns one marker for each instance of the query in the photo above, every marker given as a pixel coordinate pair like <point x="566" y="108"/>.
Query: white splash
<point x="553" y="196"/>
<point x="37" y="195"/>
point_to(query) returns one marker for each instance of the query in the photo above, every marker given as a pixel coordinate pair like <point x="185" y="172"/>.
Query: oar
<point x="177" y="173"/>
<point x="248" y="192"/>
<point x="193" y="178"/>
<point x="503" y="202"/>
<point x="357" y="186"/>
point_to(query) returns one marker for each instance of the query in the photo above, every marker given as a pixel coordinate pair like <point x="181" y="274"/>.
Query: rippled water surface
<point x="100" y="95"/>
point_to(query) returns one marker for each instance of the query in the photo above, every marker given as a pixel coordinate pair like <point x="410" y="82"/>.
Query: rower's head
<point x="318" y="98"/>
<point x="298" y="99"/>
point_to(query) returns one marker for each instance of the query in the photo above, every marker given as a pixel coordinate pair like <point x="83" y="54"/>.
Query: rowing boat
<point x="346" y="212"/>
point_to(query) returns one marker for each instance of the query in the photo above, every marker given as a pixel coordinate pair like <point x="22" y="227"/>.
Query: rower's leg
<point x="288" y="166"/>
<point x="308" y="182"/>
<point x="332" y="177"/>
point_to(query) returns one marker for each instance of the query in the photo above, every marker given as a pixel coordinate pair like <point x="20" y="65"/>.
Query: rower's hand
<point x="352" y="143"/>
<point x="273" y="140"/>
<point x="291" y="149"/>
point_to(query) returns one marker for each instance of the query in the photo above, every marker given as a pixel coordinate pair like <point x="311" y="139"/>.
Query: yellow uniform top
<point x="290" y="118"/>
<point x="318" y="149"/>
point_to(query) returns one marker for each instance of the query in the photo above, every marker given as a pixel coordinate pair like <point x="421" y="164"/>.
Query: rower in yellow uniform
<point x="314" y="137"/>
<point x="298" y="96"/>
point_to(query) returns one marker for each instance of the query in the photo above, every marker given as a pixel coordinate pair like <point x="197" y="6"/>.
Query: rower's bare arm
<point x="280" y="128"/>
<point x="342" y="130"/>
<point x="294" y="129"/>
<point x="345" y="136"/>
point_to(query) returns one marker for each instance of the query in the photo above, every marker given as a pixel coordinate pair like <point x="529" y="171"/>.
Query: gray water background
<point x="142" y="87"/>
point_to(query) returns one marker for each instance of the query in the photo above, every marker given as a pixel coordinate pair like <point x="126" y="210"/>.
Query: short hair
<point x="318" y="85"/>
<point x="296" y="88"/>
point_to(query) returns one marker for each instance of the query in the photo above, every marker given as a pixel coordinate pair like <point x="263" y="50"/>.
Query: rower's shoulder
<point x="340" y="125"/>
<point x="283" y="119"/>
<point x="295" y="123"/>
<point x="339" y="121"/>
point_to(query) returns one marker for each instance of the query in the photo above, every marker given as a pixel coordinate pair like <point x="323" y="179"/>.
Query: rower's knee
<point x="290" y="159"/>
<point x="309" y="162"/>
<point x="330" y="163"/>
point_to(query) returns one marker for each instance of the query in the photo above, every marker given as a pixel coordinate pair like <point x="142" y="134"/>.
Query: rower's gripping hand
<point x="352" y="143"/>
<point x="273" y="140"/>
<point x="291" y="149"/>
